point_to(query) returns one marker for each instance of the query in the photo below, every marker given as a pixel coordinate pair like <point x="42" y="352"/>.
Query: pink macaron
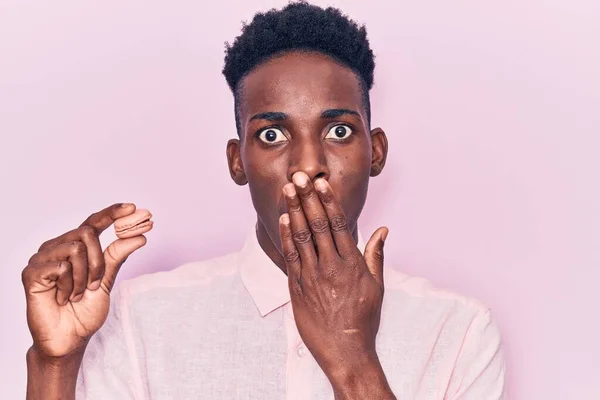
<point x="134" y="224"/>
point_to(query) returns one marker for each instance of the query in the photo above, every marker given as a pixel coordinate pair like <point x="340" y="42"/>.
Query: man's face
<point x="304" y="112"/>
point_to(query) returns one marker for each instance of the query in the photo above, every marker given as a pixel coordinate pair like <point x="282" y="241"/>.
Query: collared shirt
<point x="224" y="329"/>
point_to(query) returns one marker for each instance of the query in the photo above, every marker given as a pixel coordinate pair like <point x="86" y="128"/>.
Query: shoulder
<point x="426" y="307"/>
<point x="441" y="331"/>
<point x="419" y="290"/>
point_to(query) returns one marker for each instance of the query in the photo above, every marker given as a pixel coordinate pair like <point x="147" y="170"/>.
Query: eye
<point x="272" y="135"/>
<point x="339" y="132"/>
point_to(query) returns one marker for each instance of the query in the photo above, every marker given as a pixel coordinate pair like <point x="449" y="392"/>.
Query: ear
<point x="234" y="159"/>
<point x="379" y="149"/>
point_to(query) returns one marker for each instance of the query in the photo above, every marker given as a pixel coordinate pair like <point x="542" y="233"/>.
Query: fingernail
<point x="77" y="298"/>
<point x="300" y="179"/>
<point x="284" y="219"/>
<point x="320" y="185"/>
<point x="289" y="190"/>
<point x="94" y="285"/>
<point x="126" y="205"/>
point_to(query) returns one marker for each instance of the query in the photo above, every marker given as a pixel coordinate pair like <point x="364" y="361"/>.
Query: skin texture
<point x="134" y="224"/>
<point x="67" y="286"/>
<point x="336" y="293"/>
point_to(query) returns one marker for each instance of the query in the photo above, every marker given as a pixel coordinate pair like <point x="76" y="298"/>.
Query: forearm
<point x="364" y="381"/>
<point x="52" y="379"/>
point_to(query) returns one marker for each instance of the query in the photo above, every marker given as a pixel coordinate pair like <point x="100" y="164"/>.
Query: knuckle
<point x="339" y="223"/>
<point x="87" y="232"/>
<point x="90" y="219"/>
<point x="64" y="268"/>
<point x="326" y="198"/>
<point x="77" y="248"/>
<point x="308" y="195"/>
<point x="286" y="233"/>
<point x="295" y="208"/>
<point x="353" y="264"/>
<point x="45" y="245"/>
<point x="332" y="273"/>
<point x="302" y="236"/>
<point x="25" y="275"/>
<point x="33" y="259"/>
<point x="319" y="225"/>
<point x="111" y="255"/>
<point x="292" y="256"/>
<point x="96" y="271"/>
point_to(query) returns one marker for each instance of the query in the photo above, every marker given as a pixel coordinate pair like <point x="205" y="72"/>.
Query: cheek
<point x="266" y="177"/>
<point x="350" y="180"/>
<point x="352" y="169"/>
<point x="354" y="187"/>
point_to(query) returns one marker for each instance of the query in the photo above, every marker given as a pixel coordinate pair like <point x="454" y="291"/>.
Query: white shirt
<point x="224" y="329"/>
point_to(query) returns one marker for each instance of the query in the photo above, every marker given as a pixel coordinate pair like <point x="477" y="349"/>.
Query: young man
<point x="298" y="313"/>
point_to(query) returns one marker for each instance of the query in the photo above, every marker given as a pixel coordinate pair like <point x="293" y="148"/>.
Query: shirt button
<point x="301" y="350"/>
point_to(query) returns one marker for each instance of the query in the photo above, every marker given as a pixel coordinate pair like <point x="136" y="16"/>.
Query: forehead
<point x="299" y="84"/>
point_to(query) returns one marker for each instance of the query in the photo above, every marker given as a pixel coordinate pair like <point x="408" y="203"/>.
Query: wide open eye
<point x="272" y="136"/>
<point x="339" y="132"/>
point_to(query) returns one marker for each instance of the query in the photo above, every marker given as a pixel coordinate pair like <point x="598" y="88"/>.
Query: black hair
<point x="300" y="27"/>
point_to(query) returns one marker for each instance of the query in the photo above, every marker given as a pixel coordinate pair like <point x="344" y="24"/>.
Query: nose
<point x="308" y="156"/>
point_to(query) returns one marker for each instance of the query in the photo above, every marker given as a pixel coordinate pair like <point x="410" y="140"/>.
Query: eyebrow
<point x="338" y="112"/>
<point x="275" y="116"/>
<point x="270" y="116"/>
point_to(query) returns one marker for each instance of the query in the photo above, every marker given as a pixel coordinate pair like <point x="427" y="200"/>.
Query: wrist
<point x="363" y="379"/>
<point x="52" y="378"/>
<point x="37" y="358"/>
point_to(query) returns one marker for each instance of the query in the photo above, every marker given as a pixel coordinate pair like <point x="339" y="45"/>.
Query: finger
<point x="290" y="253"/>
<point x="89" y="236"/>
<point x="344" y="241"/>
<point x="105" y="218"/>
<point x="315" y="214"/>
<point x="115" y="255"/>
<point x="99" y="221"/>
<point x="43" y="277"/>
<point x="374" y="254"/>
<point x="301" y="233"/>
<point x="65" y="283"/>
<point x="76" y="253"/>
<point x="88" y="232"/>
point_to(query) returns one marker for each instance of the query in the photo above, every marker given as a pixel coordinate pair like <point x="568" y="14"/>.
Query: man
<point x="298" y="313"/>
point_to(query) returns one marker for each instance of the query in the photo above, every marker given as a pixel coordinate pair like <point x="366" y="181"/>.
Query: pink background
<point x="491" y="189"/>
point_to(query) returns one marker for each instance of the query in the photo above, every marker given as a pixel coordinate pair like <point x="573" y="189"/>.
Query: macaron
<point x="134" y="224"/>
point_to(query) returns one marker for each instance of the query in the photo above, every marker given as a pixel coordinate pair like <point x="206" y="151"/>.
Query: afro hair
<point x="300" y="27"/>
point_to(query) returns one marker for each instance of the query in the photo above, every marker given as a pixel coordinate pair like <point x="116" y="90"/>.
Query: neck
<point x="273" y="251"/>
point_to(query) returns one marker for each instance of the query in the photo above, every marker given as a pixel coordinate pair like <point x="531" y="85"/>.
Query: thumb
<point x="374" y="254"/>
<point x="115" y="255"/>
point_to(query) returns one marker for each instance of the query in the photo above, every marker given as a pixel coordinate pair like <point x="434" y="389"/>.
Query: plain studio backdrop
<point x="491" y="187"/>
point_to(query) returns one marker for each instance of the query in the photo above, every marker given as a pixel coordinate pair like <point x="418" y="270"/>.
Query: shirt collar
<point x="266" y="283"/>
